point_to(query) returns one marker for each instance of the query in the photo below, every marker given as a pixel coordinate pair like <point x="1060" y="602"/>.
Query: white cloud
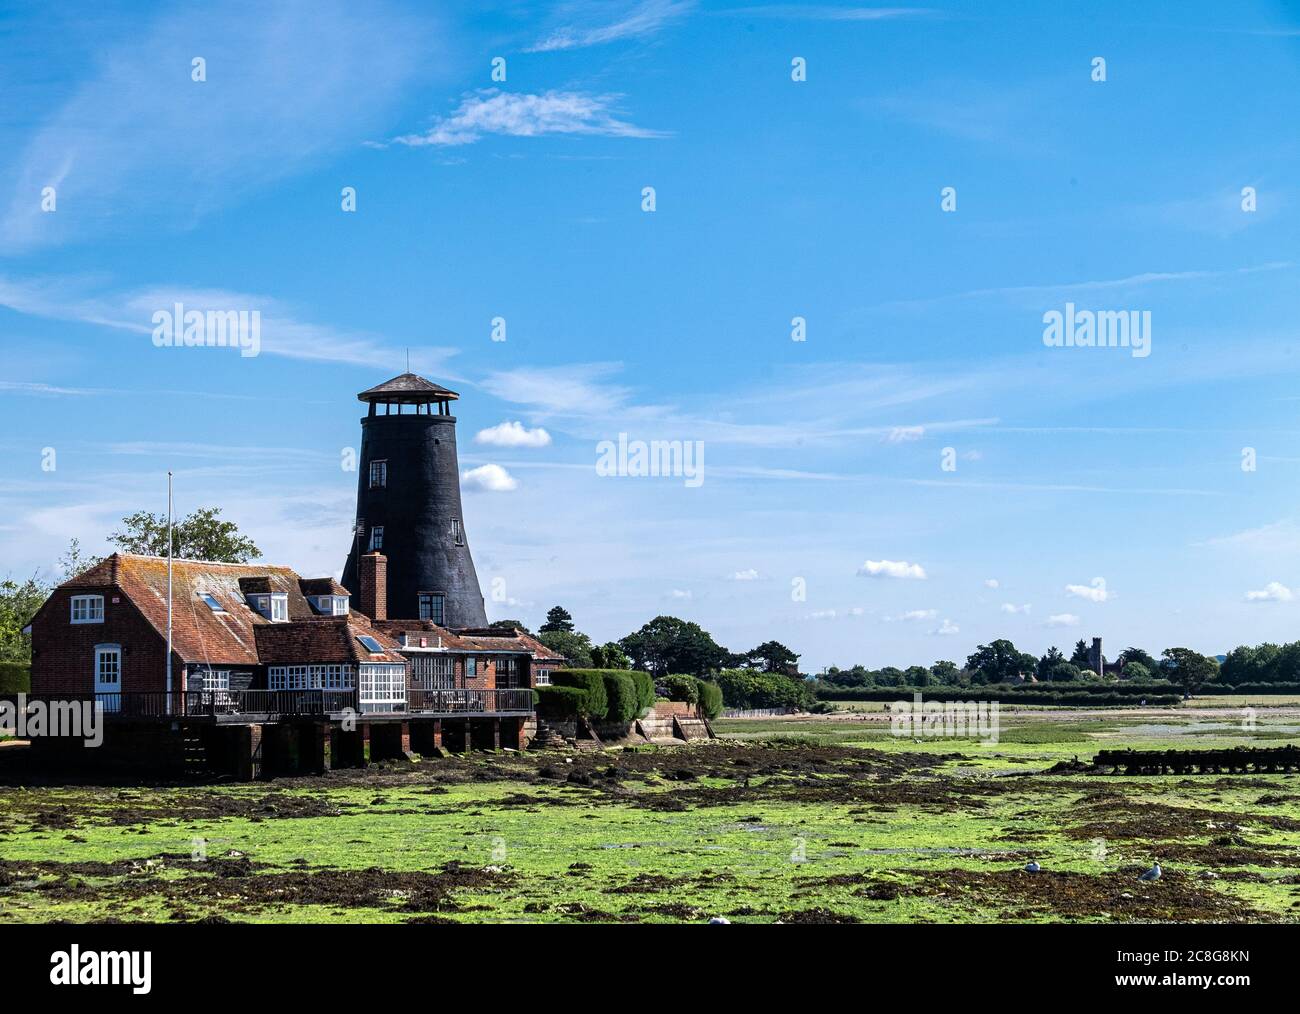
<point x="488" y="478"/>
<point x="644" y="19"/>
<point x="1063" y="620"/>
<point x="745" y="575"/>
<point x="517" y="114"/>
<point x="678" y="593"/>
<point x="1094" y="591"/>
<point x="1274" y="591"/>
<point x="1012" y="608"/>
<point x="892" y="568"/>
<point x="833" y="614"/>
<point x="947" y="628"/>
<point x="904" y="434"/>
<point x="513" y="434"/>
<point x="991" y="583"/>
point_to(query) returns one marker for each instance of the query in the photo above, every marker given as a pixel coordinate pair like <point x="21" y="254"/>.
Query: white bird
<point x="1032" y="866"/>
<point x="1153" y="873"/>
<point x="718" y="920"/>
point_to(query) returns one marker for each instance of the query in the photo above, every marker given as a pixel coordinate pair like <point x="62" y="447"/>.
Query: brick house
<point x="258" y="646"/>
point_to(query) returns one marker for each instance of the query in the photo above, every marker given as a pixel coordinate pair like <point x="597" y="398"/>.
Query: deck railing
<point x="159" y="704"/>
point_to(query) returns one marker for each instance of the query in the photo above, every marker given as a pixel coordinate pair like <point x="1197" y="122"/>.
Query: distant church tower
<point x="408" y="505"/>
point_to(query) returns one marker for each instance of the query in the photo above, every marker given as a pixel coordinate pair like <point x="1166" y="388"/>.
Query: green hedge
<point x="620" y="691"/>
<point x="561" y="702"/>
<point x="590" y="680"/>
<point x="15" y="678"/>
<point x="710" y="699"/>
<point x="645" y="690"/>
<point x="1249" y="688"/>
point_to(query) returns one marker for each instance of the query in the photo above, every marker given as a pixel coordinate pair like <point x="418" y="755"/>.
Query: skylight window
<point x="212" y="603"/>
<point x="370" y="644"/>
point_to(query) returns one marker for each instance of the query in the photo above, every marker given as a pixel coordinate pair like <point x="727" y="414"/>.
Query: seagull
<point x="1153" y="873"/>
<point x="1032" y="866"/>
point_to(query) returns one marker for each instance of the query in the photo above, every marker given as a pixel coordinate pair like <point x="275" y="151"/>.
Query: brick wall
<point x="63" y="653"/>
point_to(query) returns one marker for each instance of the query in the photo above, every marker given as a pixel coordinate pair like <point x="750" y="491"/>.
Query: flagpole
<point x="169" y="590"/>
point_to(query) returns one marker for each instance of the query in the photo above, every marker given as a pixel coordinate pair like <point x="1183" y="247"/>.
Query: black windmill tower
<point x="408" y="505"/>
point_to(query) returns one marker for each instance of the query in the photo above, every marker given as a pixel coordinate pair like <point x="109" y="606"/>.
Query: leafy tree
<point x="858" y="676"/>
<point x="1131" y="655"/>
<point x="1048" y="662"/>
<point x="999" y="662"/>
<point x="772" y="656"/>
<point x="1063" y="671"/>
<point x="74" y="562"/>
<point x="575" y="647"/>
<point x="946" y="673"/>
<point x="1082" y="656"/>
<point x="557" y="619"/>
<point x="1189" y="669"/>
<point x="18" y="604"/>
<point x="890" y="676"/>
<point x="508" y="626"/>
<point x="749" y="688"/>
<point x="1136" y="672"/>
<point x="917" y="676"/>
<point x="670" y="645"/>
<point x="610" y="656"/>
<point x="200" y="536"/>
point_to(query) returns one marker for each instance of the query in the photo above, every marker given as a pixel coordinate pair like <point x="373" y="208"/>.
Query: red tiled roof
<point x="199" y="634"/>
<point x="321" y="586"/>
<point x="323" y="639"/>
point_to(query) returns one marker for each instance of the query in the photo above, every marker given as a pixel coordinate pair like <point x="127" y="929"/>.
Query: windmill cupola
<point x="409" y="506"/>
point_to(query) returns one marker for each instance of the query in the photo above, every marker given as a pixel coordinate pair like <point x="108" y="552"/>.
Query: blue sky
<point x="1104" y="493"/>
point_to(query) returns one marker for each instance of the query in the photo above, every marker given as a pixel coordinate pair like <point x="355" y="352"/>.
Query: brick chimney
<point x="374" y="586"/>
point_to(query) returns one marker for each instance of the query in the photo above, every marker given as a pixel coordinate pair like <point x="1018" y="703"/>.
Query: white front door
<point x="108" y="676"/>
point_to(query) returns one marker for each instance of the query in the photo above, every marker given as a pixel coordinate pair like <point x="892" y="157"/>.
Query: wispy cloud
<point x="633" y="22"/>
<point x="515" y="114"/>
<point x="893" y="569"/>
<point x="283" y="332"/>
<point x="1274" y="591"/>
<point x="140" y="142"/>
<point x="1094" y="591"/>
<point x="826" y="12"/>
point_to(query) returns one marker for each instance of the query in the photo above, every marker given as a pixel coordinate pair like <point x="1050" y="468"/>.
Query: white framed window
<point x="378" y="474"/>
<point x="382" y="683"/>
<point x="333" y="605"/>
<point x="216" y="679"/>
<point x="279" y="608"/>
<point x="457" y="532"/>
<point x="376" y="538"/>
<point x="543" y="677"/>
<point x="310" y="677"/>
<point x="432" y="606"/>
<point x="88" y="609"/>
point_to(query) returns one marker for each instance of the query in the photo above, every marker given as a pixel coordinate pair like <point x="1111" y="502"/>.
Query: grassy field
<point x="794" y="820"/>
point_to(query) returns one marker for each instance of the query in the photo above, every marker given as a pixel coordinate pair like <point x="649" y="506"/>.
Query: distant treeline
<point x="1079" y="694"/>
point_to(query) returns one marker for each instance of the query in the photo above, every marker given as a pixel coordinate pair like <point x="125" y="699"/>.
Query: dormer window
<point x="332" y="605"/>
<point x="378" y="474"/>
<point x="274" y="607"/>
<point x="88" y="609"/>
